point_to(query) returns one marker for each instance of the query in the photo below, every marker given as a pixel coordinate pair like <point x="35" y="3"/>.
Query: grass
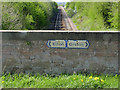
<point x="61" y="81"/>
<point x="86" y="24"/>
<point x="94" y="16"/>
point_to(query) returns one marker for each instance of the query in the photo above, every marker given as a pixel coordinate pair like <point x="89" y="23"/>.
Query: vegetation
<point x="27" y="15"/>
<point x="119" y="15"/>
<point x="61" y="81"/>
<point x="94" y="15"/>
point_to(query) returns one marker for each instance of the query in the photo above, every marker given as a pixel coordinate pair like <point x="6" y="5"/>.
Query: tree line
<point x="94" y="15"/>
<point x="27" y="15"/>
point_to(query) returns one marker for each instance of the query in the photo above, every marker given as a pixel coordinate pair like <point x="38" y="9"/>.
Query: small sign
<point x="56" y="43"/>
<point x="75" y="44"/>
<point x="80" y="44"/>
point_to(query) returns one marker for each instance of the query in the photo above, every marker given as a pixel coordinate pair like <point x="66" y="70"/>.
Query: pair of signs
<point x="75" y="44"/>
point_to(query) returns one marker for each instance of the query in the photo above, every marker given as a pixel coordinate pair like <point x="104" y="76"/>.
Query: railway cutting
<point x="63" y="22"/>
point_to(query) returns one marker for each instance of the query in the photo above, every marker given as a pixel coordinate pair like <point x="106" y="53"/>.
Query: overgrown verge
<point x="27" y="15"/>
<point x="94" y="15"/>
<point x="61" y="81"/>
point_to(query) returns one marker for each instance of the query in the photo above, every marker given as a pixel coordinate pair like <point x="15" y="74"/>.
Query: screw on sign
<point x="72" y="44"/>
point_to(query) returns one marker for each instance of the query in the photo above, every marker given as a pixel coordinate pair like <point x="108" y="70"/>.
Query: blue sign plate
<point x="76" y="44"/>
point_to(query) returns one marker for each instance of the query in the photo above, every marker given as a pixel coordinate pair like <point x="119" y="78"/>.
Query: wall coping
<point x="58" y="31"/>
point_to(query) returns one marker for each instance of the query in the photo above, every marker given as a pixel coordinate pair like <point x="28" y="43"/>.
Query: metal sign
<point x="75" y="44"/>
<point x="56" y="43"/>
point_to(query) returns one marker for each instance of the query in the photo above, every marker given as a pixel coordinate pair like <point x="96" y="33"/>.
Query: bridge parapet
<point x="29" y="53"/>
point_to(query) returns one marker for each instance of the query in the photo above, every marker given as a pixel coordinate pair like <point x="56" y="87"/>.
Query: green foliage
<point x="94" y="15"/>
<point x="28" y="43"/>
<point x="70" y="12"/>
<point x="72" y="5"/>
<point x="1" y="83"/>
<point x="61" y="81"/>
<point x="27" y="15"/>
<point x="67" y="4"/>
<point x="114" y="16"/>
<point x="118" y="15"/>
<point x="29" y="20"/>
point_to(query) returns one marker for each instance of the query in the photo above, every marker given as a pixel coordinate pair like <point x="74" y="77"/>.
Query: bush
<point x="27" y="15"/>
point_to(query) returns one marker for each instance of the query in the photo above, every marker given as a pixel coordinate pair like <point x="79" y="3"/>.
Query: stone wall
<point x="29" y="53"/>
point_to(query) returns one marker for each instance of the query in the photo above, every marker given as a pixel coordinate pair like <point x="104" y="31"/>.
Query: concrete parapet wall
<point x="29" y="53"/>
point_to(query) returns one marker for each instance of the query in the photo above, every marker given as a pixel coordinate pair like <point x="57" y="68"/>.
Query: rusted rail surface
<point x="63" y="22"/>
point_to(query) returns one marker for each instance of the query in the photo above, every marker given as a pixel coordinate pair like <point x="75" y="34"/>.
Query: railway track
<point x="63" y="22"/>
